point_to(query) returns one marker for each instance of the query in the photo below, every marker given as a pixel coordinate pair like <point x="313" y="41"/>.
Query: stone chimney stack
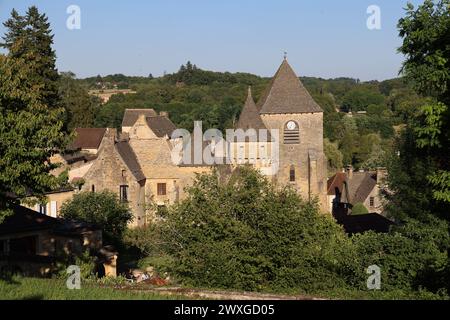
<point x="381" y="175"/>
<point x="164" y="114"/>
<point x="349" y="171"/>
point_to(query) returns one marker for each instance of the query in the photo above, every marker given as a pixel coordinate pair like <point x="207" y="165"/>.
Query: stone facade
<point x="140" y="158"/>
<point x="110" y="172"/>
<point x="306" y="159"/>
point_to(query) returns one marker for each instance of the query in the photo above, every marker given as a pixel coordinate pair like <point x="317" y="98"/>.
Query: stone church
<point x="137" y="163"/>
<point x="286" y="106"/>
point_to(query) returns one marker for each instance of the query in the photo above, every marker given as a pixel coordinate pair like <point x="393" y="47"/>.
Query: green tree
<point x="242" y="232"/>
<point x="334" y="156"/>
<point x="79" y="106"/>
<point x="29" y="38"/>
<point x="30" y="117"/>
<point x="101" y="208"/>
<point x="420" y="176"/>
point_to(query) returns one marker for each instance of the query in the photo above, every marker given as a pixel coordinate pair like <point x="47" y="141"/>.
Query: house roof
<point x="129" y="157"/>
<point x="286" y="94"/>
<point x="360" y="186"/>
<point x="161" y="126"/>
<point x="87" y="138"/>
<point x="131" y="115"/>
<point x="336" y="181"/>
<point x="24" y="220"/>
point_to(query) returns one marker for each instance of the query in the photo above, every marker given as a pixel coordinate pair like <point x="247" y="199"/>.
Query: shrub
<point x="101" y="208"/>
<point x="359" y="209"/>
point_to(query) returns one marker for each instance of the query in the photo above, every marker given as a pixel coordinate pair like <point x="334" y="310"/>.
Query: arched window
<point x="291" y="133"/>
<point x="292" y="174"/>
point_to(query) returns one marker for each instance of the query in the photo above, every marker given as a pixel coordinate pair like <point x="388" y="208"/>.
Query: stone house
<point x="117" y="169"/>
<point x="30" y="242"/>
<point x="351" y="187"/>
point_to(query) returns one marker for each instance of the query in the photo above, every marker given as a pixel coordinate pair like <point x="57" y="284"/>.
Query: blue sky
<point x="323" y="38"/>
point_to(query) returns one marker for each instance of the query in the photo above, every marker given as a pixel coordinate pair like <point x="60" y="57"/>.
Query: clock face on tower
<point x="291" y="125"/>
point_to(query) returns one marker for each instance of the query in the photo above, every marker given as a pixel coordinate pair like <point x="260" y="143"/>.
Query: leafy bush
<point x="100" y="208"/>
<point x="411" y="257"/>
<point x="241" y="232"/>
<point x="359" y="209"/>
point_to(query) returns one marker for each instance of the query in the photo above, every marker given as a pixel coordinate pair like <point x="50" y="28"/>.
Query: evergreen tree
<point x="30" y="117"/>
<point x="30" y="37"/>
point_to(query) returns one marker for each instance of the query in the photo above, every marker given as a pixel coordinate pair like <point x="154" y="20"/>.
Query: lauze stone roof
<point x="87" y="138"/>
<point x="286" y="94"/>
<point x="129" y="157"/>
<point x="161" y="126"/>
<point x="249" y="117"/>
<point x="131" y="115"/>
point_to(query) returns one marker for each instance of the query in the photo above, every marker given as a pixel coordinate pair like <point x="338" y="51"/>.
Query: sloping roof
<point x="131" y="115"/>
<point x="24" y="219"/>
<point x="336" y="181"/>
<point x="201" y="149"/>
<point x="360" y="186"/>
<point x="286" y="94"/>
<point x="161" y="125"/>
<point x="249" y="117"/>
<point x="129" y="157"/>
<point x="87" y="138"/>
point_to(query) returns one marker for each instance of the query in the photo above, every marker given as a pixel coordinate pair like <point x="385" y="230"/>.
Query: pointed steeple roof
<point x="250" y="118"/>
<point x="286" y="94"/>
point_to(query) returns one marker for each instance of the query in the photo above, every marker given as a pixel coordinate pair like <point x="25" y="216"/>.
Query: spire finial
<point x="285" y="55"/>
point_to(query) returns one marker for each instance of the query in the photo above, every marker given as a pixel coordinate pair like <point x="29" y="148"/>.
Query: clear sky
<point x="323" y="38"/>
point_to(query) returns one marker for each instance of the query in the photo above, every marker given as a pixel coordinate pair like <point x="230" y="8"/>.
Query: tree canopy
<point x="31" y="125"/>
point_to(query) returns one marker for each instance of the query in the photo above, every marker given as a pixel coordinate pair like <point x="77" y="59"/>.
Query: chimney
<point x="381" y="175"/>
<point x="349" y="171"/>
<point x="164" y="114"/>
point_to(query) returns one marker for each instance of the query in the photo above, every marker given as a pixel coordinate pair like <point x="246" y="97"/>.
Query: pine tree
<point x="30" y="116"/>
<point x="30" y="37"/>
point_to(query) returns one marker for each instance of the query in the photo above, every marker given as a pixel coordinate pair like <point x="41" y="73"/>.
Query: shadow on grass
<point x="8" y="278"/>
<point x="33" y="297"/>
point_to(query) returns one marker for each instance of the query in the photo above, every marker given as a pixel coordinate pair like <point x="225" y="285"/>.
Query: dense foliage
<point x="240" y="232"/>
<point x="103" y="209"/>
<point x="420" y="175"/>
<point x="31" y="123"/>
<point x="217" y="98"/>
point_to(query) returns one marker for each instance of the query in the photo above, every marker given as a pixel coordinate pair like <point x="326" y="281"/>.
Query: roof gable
<point x="87" y="138"/>
<point x="161" y="126"/>
<point x="286" y="94"/>
<point x="131" y="115"/>
<point x="361" y="185"/>
<point x="129" y="158"/>
<point x="336" y="182"/>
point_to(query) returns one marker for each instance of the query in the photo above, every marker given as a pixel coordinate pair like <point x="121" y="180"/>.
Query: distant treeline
<point x="216" y="98"/>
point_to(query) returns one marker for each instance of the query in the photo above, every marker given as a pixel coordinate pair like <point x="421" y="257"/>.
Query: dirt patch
<point x="217" y="294"/>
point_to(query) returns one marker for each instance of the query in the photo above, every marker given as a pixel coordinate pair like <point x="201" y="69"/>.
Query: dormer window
<point x="291" y="133"/>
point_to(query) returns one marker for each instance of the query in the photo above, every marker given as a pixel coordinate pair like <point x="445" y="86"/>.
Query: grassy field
<point x="54" y="289"/>
<point x="19" y="288"/>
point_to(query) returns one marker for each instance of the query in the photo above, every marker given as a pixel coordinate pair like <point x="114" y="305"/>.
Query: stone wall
<point x="307" y="157"/>
<point x="109" y="172"/>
